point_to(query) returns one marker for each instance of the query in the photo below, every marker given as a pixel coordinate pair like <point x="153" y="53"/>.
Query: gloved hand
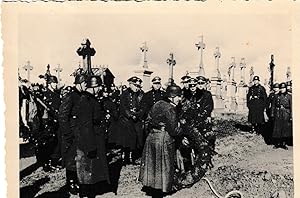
<point x="92" y="154"/>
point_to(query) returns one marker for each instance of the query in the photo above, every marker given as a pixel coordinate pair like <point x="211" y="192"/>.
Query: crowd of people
<point x="167" y="132"/>
<point x="271" y="116"/>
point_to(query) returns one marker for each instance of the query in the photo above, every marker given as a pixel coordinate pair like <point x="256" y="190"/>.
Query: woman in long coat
<point x="282" y="110"/>
<point x="91" y="162"/>
<point x="158" y="161"/>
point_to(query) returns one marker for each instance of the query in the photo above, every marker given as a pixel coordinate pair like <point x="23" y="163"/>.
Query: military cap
<point x="132" y="79"/>
<point x="138" y="82"/>
<point x="185" y="79"/>
<point x="289" y="83"/>
<point x="52" y="79"/>
<point x="255" y="78"/>
<point x="93" y="81"/>
<point x="80" y="78"/>
<point x="156" y="80"/>
<point x="201" y="79"/>
<point x="192" y="82"/>
<point x="276" y="85"/>
<point x="173" y="91"/>
<point x="282" y="85"/>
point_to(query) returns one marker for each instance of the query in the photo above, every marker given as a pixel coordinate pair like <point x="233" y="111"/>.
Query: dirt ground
<point x="244" y="162"/>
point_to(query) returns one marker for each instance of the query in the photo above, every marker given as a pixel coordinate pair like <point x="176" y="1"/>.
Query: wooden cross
<point x="144" y="49"/>
<point x="86" y="51"/>
<point x="242" y="66"/>
<point x="58" y="70"/>
<point x="232" y="67"/>
<point x="171" y="62"/>
<point x="201" y="46"/>
<point x="217" y="56"/>
<point x="28" y="69"/>
<point x="288" y="74"/>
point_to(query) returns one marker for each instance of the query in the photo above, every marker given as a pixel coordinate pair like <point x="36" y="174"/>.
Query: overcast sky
<point x="54" y="38"/>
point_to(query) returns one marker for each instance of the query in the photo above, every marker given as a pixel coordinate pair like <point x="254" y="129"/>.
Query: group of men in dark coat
<point x="271" y="115"/>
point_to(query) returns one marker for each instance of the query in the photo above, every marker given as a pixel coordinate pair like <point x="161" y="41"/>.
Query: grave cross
<point x="201" y="46"/>
<point x="271" y="69"/>
<point x="58" y="70"/>
<point x="28" y="69"/>
<point x="251" y="72"/>
<point x="288" y="74"/>
<point x="217" y="56"/>
<point x="232" y="67"/>
<point x="144" y="49"/>
<point x="171" y="62"/>
<point x="86" y="51"/>
<point x="243" y="67"/>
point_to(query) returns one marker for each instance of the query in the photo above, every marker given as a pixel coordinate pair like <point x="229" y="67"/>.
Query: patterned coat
<point x="158" y="161"/>
<point x="91" y="162"/>
<point x="68" y="114"/>
<point x="282" y="109"/>
<point x="256" y="102"/>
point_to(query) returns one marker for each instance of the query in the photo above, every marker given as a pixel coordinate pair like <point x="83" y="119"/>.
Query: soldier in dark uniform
<point x="151" y="97"/>
<point x="202" y="86"/>
<point x="51" y="138"/>
<point x="256" y="103"/>
<point x="126" y="134"/>
<point x="91" y="161"/>
<point x="282" y="113"/>
<point x="270" y="124"/>
<point x="68" y="114"/>
<point x="185" y="90"/>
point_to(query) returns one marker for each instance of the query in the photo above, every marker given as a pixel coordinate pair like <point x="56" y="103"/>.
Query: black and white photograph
<point x="175" y="100"/>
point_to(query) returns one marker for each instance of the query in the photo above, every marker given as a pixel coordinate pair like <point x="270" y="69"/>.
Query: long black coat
<point x="68" y="114"/>
<point x="149" y="99"/>
<point x="129" y="133"/>
<point x="282" y="109"/>
<point x="158" y="161"/>
<point x="256" y="102"/>
<point x="91" y="162"/>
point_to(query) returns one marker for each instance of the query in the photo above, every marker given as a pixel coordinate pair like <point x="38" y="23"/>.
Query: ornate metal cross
<point x="217" y="56"/>
<point x="171" y="62"/>
<point x="271" y="69"/>
<point x="201" y="46"/>
<point x="28" y="69"/>
<point x="144" y="49"/>
<point x="86" y="51"/>
<point x="288" y="74"/>
<point x="58" y="70"/>
<point x="251" y="73"/>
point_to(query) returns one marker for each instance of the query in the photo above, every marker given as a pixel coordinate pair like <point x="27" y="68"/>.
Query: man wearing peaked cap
<point x="151" y="97"/>
<point x="289" y="86"/>
<point x="270" y="112"/>
<point x="185" y="90"/>
<point x="201" y="82"/>
<point x="256" y="103"/>
<point x="129" y="129"/>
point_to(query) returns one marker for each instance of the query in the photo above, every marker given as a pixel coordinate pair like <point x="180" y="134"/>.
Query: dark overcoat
<point x="282" y="116"/>
<point x="256" y="102"/>
<point x="68" y="115"/>
<point x="149" y="99"/>
<point x="158" y="160"/>
<point x="91" y="162"/>
<point x="129" y="130"/>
